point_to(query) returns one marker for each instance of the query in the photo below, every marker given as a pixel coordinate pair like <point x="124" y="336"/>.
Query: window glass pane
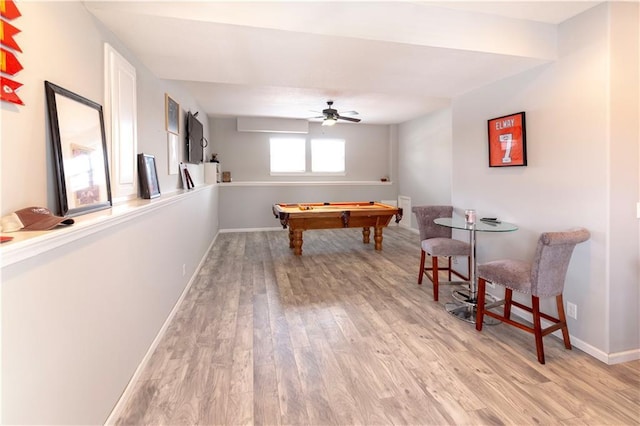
<point x="287" y="155"/>
<point x="327" y="155"/>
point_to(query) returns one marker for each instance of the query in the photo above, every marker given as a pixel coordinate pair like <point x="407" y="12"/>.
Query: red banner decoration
<point x="8" y="91"/>
<point x="9" y="64"/>
<point x="8" y="9"/>
<point x="7" y="31"/>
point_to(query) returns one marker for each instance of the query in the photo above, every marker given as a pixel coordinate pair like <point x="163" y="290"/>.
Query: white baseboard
<point x="124" y="398"/>
<point x="600" y="355"/>
<point x="226" y="231"/>
<point x="279" y="228"/>
<point x="624" y="356"/>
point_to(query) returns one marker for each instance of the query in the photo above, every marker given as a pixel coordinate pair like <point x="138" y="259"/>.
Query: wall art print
<point x="507" y="141"/>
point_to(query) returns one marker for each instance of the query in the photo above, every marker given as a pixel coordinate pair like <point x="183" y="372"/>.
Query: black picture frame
<point x="507" y="140"/>
<point x="80" y="152"/>
<point x="148" y="176"/>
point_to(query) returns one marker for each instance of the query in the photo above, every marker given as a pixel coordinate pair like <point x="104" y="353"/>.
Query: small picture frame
<point x="148" y="176"/>
<point x="507" y="141"/>
<point x="172" y="114"/>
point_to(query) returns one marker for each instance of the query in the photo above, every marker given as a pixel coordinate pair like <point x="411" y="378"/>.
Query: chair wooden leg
<point x="434" y="273"/>
<point x="563" y="321"/>
<point x="508" y="295"/>
<point x="537" y="327"/>
<point x="449" y="267"/>
<point x="422" y="258"/>
<point x="480" y="304"/>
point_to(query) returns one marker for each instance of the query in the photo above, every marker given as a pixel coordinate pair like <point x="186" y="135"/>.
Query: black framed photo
<point x="148" y="175"/>
<point x="507" y="141"/>
<point x="80" y="151"/>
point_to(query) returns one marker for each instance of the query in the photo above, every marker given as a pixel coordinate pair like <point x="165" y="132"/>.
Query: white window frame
<point x="317" y="143"/>
<point x="308" y="154"/>
<point x="298" y="142"/>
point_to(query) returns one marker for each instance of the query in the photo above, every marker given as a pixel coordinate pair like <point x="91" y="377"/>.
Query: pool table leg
<point x="377" y="237"/>
<point x="297" y="242"/>
<point x="290" y="238"/>
<point x="366" y="231"/>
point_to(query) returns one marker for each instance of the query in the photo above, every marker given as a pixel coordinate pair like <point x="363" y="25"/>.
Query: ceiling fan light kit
<point x="330" y="116"/>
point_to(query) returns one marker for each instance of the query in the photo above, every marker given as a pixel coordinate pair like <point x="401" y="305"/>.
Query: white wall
<point x="370" y="155"/>
<point x="424" y="151"/>
<point x="152" y="136"/>
<point x="571" y="178"/>
<point x="77" y="320"/>
<point x="26" y="151"/>
<point x="246" y="154"/>
<point x="624" y="151"/>
<point x="73" y="59"/>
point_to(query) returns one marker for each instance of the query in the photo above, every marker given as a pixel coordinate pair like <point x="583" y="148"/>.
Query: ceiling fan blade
<point x="355" y="120"/>
<point x="330" y="113"/>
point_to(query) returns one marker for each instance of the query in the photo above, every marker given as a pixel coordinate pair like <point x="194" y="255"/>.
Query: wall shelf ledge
<point x="28" y="244"/>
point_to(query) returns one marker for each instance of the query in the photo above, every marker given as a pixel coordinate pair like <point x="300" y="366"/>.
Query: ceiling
<point x="391" y="61"/>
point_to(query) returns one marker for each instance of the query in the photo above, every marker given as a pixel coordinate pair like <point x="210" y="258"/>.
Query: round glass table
<point x="466" y="299"/>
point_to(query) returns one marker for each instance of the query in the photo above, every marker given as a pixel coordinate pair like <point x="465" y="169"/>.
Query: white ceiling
<point x="391" y="61"/>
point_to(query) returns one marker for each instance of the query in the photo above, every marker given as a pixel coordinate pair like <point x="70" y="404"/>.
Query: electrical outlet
<point x="455" y="260"/>
<point x="572" y="310"/>
<point x="184" y="269"/>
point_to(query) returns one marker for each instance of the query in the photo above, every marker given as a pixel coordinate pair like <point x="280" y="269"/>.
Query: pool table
<point x="302" y="216"/>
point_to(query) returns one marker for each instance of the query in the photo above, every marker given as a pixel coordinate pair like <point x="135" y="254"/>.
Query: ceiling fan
<point x="331" y="116"/>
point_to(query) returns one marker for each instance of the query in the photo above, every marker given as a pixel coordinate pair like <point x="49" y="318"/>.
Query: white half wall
<point x="77" y="320"/>
<point x="249" y="207"/>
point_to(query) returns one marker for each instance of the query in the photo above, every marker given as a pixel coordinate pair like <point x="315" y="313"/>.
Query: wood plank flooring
<point x="343" y="335"/>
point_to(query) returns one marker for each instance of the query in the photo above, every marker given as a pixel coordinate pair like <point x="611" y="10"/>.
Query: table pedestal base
<point x="465" y="307"/>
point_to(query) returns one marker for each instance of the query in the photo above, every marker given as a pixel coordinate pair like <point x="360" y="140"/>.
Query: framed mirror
<point x="80" y="151"/>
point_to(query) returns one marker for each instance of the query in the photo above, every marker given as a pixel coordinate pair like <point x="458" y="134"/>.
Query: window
<point x="289" y="156"/>
<point x="327" y="155"/>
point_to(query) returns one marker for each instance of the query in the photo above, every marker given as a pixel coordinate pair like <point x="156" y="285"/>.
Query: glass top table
<point x="465" y="307"/>
<point x="480" y="225"/>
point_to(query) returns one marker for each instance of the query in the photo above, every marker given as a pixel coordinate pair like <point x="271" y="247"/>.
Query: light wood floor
<point x="343" y="335"/>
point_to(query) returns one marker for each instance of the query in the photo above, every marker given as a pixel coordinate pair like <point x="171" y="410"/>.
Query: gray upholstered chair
<point x="436" y="241"/>
<point x="543" y="277"/>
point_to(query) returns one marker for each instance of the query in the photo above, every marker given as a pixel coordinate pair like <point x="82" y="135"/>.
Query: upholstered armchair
<point x="543" y="277"/>
<point x="436" y="241"/>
